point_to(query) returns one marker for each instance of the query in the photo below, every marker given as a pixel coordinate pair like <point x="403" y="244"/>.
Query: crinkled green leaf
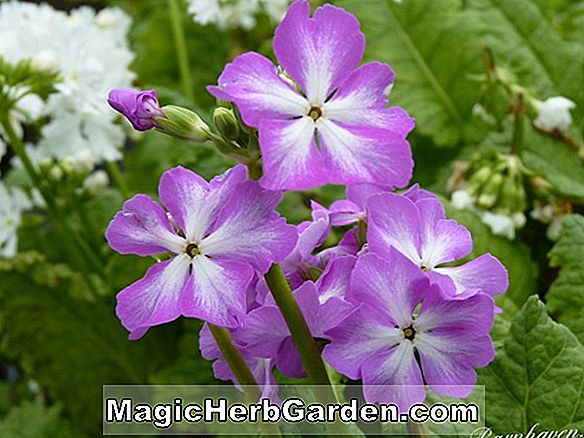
<point x="556" y="161"/>
<point x="566" y="295"/>
<point x="537" y="376"/>
<point x="432" y="47"/>
<point x="525" y="42"/>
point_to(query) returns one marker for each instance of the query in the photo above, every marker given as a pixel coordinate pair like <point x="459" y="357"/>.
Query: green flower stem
<point x="311" y="358"/>
<point x="118" y="178"/>
<point x="81" y="253"/>
<point x="418" y="429"/>
<point x="181" y="49"/>
<point x="519" y="128"/>
<point x="241" y="371"/>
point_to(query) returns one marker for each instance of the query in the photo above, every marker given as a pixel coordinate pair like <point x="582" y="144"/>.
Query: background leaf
<point x="537" y="376"/>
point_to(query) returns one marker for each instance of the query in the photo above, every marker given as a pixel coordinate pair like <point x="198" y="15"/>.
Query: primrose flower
<point x="554" y="113"/>
<point x="219" y="233"/>
<point x="333" y="127"/>
<point x="141" y="108"/>
<point x="264" y="332"/>
<point x="402" y="315"/>
<point x="260" y="368"/>
<point x="418" y="228"/>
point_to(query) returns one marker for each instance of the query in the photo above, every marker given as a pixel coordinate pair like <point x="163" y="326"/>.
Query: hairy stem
<point x="181" y="49"/>
<point x="519" y="128"/>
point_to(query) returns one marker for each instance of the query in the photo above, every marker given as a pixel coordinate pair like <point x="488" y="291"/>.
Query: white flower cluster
<point x="554" y="114"/>
<point x="229" y="14"/>
<point x="500" y="224"/>
<point x="13" y="201"/>
<point x="90" y="51"/>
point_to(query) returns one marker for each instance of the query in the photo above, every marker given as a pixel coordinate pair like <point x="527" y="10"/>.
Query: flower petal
<point x="319" y="52"/>
<point x="362" y="154"/>
<point x="396" y="367"/>
<point x="336" y="278"/>
<point x="216" y="291"/>
<point x="248" y="229"/>
<point x="288" y="359"/>
<point x="485" y="273"/>
<point x="154" y="299"/>
<point x="444" y="242"/>
<point x="252" y="82"/>
<point x="264" y="330"/>
<point x="291" y="160"/>
<point x="394" y="221"/>
<point x="359" y="337"/>
<point x="142" y="228"/>
<point x="193" y="202"/>
<point x="361" y="100"/>
<point x="393" y="285"/>
<point x="447" y="358"/>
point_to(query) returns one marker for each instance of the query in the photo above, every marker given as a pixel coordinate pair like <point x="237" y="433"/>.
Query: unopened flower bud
<point x="56" y="173"/>
<point x="96" y="182"/>
<point x="141" y="108"/>
<point x="554" y="114"/>
<point x="226" y="123"/>
<point x="182" y="123"/>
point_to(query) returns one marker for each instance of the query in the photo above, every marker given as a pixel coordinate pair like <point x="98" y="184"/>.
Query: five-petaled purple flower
<point x="415" y="224"/>
<point x="219" y="233"/>
<point x="402" y="315"/>
<point x="336" y="128"/>
<point x="141" y="108"/>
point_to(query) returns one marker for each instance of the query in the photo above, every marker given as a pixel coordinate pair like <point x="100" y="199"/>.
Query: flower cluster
<point x="90" y="52"/>
<point x="233" y="14"/>
<point x="389" y="304"/>
<point x="13" y="201"/>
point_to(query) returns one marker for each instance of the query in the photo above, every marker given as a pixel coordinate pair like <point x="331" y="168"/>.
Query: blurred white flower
<point x="499" y="224"/>
<point x="92" y="56"/>
<point x="13" y="201"/>
<point x="96" y="182"/>
<point x="554" y="113"/>
<point x="229" y="14"/>
<point x="462" y="200"/>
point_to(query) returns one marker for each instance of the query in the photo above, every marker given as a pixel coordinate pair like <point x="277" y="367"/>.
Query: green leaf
<point x="72" y="347"/>
<point x="34" y="420"/>
<point x="525" y="42"/>
<point x="556" y="162"/>
<point x="514" y="255"/>
<point x="537" y="376"/>
<point x="566" y="295"/>
<point x="432" y="47"/>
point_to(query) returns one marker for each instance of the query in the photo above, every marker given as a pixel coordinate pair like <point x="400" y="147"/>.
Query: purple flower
<point x="415" y="224"/>
<point x="359" y="139"/>
<point x="260" y="368"/>
<point x="139" y="107"/>
<point x="218" y="232"/>
<point x="402" y="315"/>
<point x="264" y="332"/>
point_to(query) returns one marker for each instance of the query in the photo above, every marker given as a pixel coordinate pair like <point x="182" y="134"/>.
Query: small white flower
<point x="499" y="224"/>
<point x="554" y="114"/>
<point x="13" y="201"/>
<point x="461" y="200"/>
<point x="45" y="60"/>
<point x="96" y="182"/>
<point x="235" y="13"/>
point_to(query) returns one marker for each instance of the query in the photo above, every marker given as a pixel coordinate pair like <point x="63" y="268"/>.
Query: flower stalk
<point x="181" y="49"/>
<point x="80" y="252"/>
<point x="118" y="178"/>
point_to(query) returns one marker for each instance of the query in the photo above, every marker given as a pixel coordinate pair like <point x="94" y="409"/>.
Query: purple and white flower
<point x="260" y="368"/>
<point x="140" y="108"/>
<point x="402" y="315"/>
<point x="219" y="233"/>
<point x="264" y="332"/>
<point x="325" y="118"/>
<point x="415" y="224"/>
